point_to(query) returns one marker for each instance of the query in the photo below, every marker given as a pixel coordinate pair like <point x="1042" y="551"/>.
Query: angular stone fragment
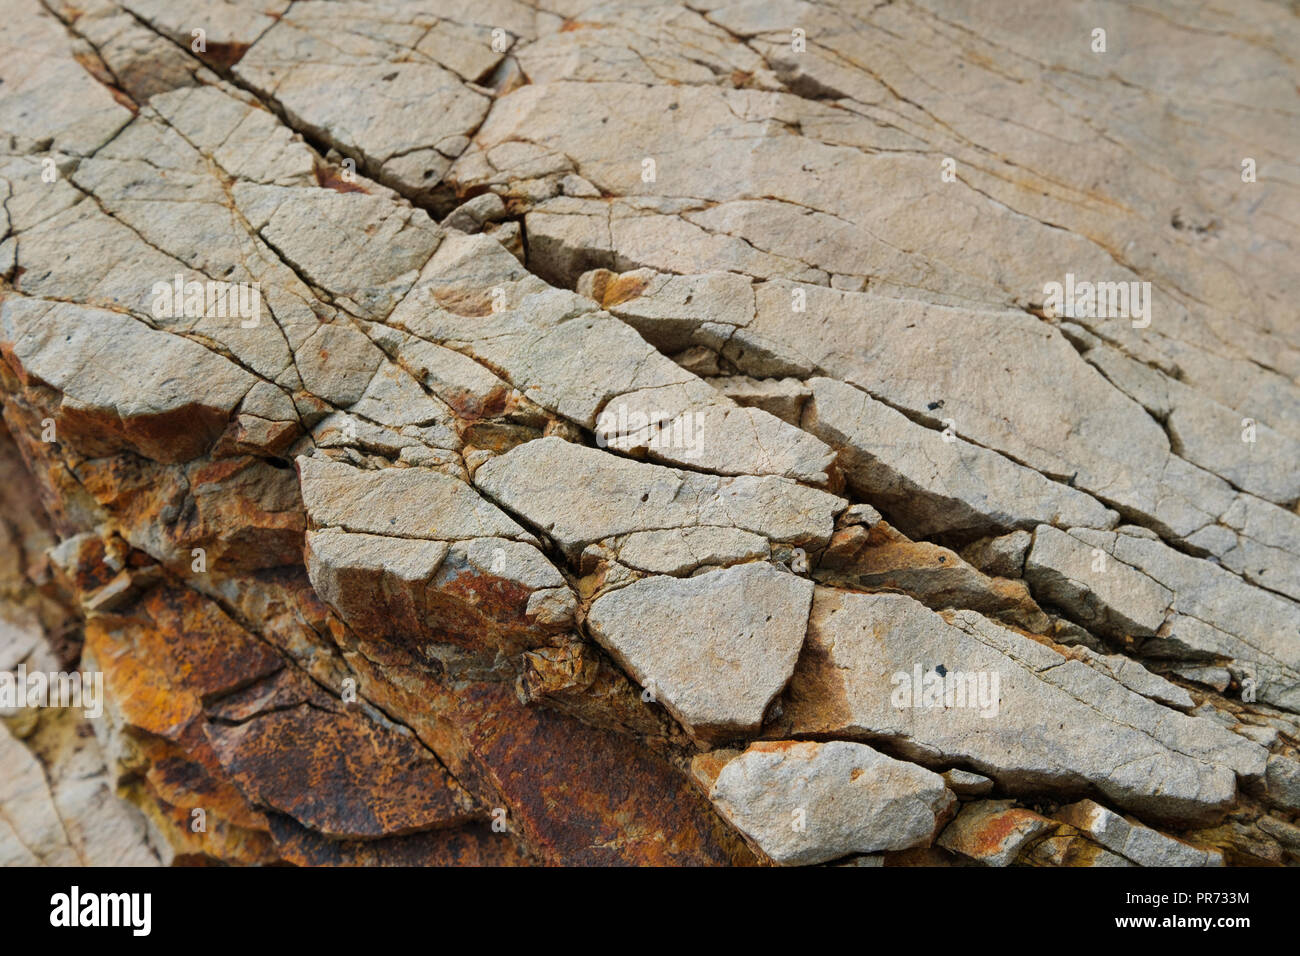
<point x="884" y="559"/>
<point x="400" y="503"/>
<point x="715" y="649"/>
<point x="1072" y="849"/>
<point x="172" y="405"/>
<point x="1215" y="614"/>
<point x="967" y="784"/>
<point x="784" y="398"/>
<point x="1282" y="783"/>
<point x="1048" y="723"/>
<point x="1285" y="833"/>
<point x="1093" y="588"/>
<point x="1142" y="845"/>
<point x="608" y="495"/>
<point x="931" y="485"/>
<point x="488" y="594"/>
<point x="679" y="551"/>
<point x="805" y="802"/>
<point x="993" y="832"/>
<point x="1003" y="556"/>
<point x="1136" y="677"/>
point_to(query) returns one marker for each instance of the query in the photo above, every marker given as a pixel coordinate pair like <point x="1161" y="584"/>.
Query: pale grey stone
<point x="1283" y="782"/>
<point x="1094" y="587"/>
<point x="1003" y="556"/>
<point x="1142" y="845"/>
<point x="930" y="485"/>
<point x="967" y="784"/>
<point x="806" y="802"/>
<point x="680" y="551"/>
<point x="1138" y="679"/>
<point x="1057" y="724"/>
<point x="606" y="496"/>
<point x="399" y="503"/>
<point x="715" y="649"/>
<point x="783" y="397"/>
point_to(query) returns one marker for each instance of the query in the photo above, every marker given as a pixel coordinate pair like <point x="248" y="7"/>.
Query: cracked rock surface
<point x="605" y="433"/>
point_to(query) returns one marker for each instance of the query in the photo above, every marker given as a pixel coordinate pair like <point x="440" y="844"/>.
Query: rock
<point x="400" y="503"/>
<point x="1282" y="783"/>
<point x="474" y="214"/>
<point x="784" y="398"/>
<point x="993" y="832"/>
<point x="1142" y="845"/>
<point x="1215" y="614"/>
<point x="484" y="595"/>
<point x="1137" y="678"/>
<point x="1042" y="724"/>
<point x="967" y="784"/>
<point x="805" y="802"/>
<point x="1215" y="677"/>
<point x="1092" y="587"/>
<point x="715" y="649"/>
<point x="612" y="496"/>
<point x="680" y="551"/>
<point x="527" y="355"/>
<point x="859" y="514"/>
<point x="1071" y="849"/>
<point x="929" y="484"/>
<point x="156" y="415"/>
<point x="1285" y="833"/>
<point x="342" y="777"/>
<point x="882" y="558"/>
<point x="1003" y="556"/>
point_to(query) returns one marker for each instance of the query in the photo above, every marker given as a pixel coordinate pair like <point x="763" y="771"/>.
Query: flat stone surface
<point x="1098" y="591"/>
<point x="716" y="648"/>
<point x="1052" y="723"/>
<point x="610" y="495"/>
<point x="805" y="802"/>
<point x="626" y="379"/>
<point x="930" y="484"/>
<point x="400" y="503"/>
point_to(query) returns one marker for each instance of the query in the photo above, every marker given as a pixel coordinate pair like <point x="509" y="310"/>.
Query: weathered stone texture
<point x="611" y="433"/>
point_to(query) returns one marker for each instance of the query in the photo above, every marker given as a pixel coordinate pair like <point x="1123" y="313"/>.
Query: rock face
<point x="673" y="434"/>
<point x="808" y="802"/>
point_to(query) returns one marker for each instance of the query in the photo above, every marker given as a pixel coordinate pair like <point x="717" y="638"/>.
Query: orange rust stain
<point x="330" y="178"/>
<point x="622" y="289"/>
<point x="995" y="833"/>
<point x="469" y="302"/>
<point x="224" y="55"/>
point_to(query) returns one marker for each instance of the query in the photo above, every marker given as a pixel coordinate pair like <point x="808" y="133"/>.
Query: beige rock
<point x="805" y="802"/>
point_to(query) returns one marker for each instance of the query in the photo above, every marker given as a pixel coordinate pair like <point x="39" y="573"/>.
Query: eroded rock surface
<point x="609" y="433"/>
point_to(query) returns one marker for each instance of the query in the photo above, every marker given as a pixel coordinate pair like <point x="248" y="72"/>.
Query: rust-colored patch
<point x="92" y="65"/>
<point x="471" y="406"/>
<point x="223" y="55"/>
<point x="994" y="832"/>
<point x="339" y="774"/>
<point x="473" y="845"/>
<point x="569" y="26"/>
<point x="585" y="796"/>
<point x="468" y="302"/>
<point x="332" y="178"/>
<point x="622" y="288"/>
